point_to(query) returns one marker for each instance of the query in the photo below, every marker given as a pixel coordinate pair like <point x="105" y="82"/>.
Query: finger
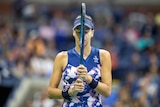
<point x="81" y="67"/>
<point x="79" y="80"/>
<point x="79" y="89"/>
<point x="81" y="76"/>
<point x="79" y="73"/>
<point x="82" y="73"/>
<point x="79" y="84"/>
<point x="81" y="70"/>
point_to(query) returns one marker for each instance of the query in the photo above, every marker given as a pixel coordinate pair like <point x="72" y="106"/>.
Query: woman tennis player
<point x="82" y="83"/>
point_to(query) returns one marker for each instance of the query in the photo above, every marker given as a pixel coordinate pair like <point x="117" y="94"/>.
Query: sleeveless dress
<point x="89" y="97"/>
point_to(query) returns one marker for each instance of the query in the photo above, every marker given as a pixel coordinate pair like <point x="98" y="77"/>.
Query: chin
<point x="83" y="45"/>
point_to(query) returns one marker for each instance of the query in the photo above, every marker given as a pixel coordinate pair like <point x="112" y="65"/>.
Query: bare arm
<point x="104" y="87"/>
<point x="59" y="64"/>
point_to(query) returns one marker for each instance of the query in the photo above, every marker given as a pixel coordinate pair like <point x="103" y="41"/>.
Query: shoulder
<point x="61" y="59"/>
<point x="104" y="54"/>
<point x="61" y="55"/>
<point x="102" y="51"/>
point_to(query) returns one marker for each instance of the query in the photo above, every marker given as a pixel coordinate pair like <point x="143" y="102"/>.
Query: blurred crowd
<point x="31" y="35"/>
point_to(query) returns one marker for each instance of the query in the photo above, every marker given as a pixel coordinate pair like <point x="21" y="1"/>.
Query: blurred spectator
<point x="18" y="6"/>
<point x="145" y="42"/>
<point x="46" y="31"/>
<point x="63" y="29"/>
<point x="131" y="34"/>
<point x="157" y="18"/>
<point x="19" y="70"/>
<point x="36" y="45"/>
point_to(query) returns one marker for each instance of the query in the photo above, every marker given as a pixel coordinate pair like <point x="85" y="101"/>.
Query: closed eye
<point x="78" y="31"/>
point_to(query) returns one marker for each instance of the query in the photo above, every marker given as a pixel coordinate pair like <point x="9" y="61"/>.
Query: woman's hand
<point x="83" y="74"/>
<point x="78" y="87"/>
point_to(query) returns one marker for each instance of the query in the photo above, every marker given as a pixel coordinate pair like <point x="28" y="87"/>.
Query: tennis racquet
<point x="82" y="29"/>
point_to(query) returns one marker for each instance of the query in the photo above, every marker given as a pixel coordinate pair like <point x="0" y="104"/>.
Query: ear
<point x="74" y="33"/>
<point x="92" y="33"/>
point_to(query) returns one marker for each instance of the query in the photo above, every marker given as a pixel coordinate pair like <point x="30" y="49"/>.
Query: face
<point x="87" y="37"/>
